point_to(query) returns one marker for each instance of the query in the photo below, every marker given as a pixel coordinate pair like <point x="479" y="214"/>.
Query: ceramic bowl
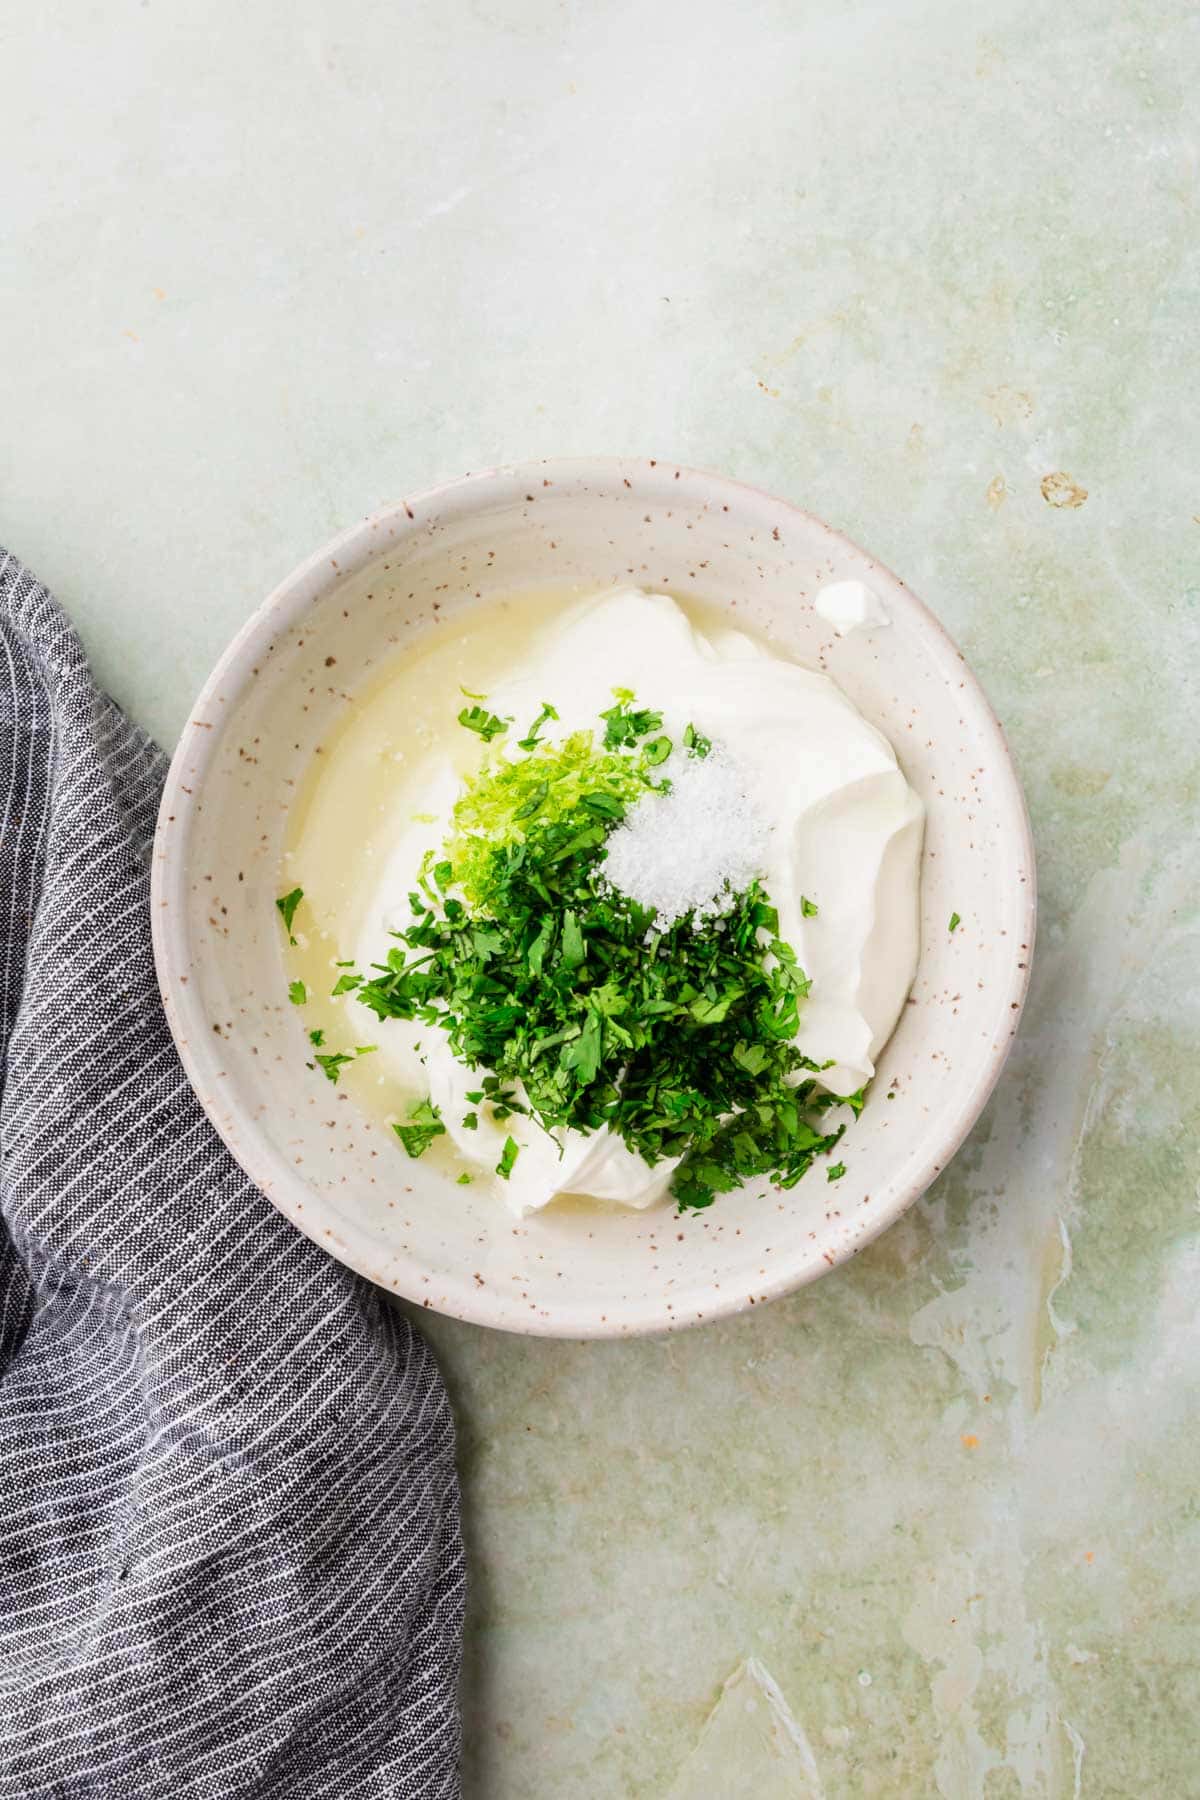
<point x="423" y="566"/>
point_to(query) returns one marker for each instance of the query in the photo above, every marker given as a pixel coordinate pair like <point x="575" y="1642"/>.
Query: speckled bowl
<point x="422" y="566"/>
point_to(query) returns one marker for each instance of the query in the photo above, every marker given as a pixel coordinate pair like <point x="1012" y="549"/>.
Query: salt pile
<point x="694" y="849"/>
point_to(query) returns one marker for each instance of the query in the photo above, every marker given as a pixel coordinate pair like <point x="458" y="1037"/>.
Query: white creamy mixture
<point x="842" y="828"/>
<point x="850" y="606"/>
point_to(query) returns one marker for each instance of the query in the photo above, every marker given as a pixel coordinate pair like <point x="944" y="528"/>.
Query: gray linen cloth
<point x="230" y="1555"/>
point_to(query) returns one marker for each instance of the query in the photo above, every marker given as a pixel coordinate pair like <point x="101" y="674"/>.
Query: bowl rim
<point x="347" y="553"/>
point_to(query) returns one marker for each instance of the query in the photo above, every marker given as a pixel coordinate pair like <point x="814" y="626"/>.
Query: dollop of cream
<point x="844" y="832"/>
<point x="850" y="606"/>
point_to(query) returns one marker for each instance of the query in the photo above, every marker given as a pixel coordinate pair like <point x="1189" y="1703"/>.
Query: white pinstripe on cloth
<point x="230" y="1556"/>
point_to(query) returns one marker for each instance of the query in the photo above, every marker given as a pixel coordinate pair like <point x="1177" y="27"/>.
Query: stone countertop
<point x="930" y="270"/>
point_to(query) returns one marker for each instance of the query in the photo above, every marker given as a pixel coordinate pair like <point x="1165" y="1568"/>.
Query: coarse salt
<point x="693" y="849"/>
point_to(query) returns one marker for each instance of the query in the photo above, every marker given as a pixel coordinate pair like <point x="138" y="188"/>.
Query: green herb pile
<point x="570" y="1002"/>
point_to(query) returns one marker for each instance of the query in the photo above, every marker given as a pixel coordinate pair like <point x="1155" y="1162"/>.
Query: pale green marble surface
<point x="266" y="265"/>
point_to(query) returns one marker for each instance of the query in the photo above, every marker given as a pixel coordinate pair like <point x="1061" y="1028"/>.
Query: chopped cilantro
<point x="683" y="1046"/>
<point x="751" y="1057"/>
<point x="316" y="1036"/>
<point x="572" y="949"/>
<point x="469" y="694"/>
<point x="333" y="1063"/>
<point x="487" y="724"/>
<point x="287" y="904"/>
<point x="955" y="921"/>
<point x="573" y="1009"/>
<point x="297" y="993"/>
<point x="465" y="1180"/>
<point x="604" y="806"/>
<point x="791" y="972"/>
<point x="624" y="726"/>
<point x="807" y="909"/>
<point x="425" y="1124"/>
<point x="835" y="1171"/>
<point x="345" y="984"/>
<point x="531" y="740"/>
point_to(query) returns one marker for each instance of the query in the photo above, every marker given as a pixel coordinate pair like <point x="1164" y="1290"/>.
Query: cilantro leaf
<point x="712" y="1009"/>
<point x="297" y="993"/>
<point x="287" y="904"/>
<point x="835" y="1171"/>
<point x="425" y="1124"/>
<point x="508" y="1157"/>
<point x="581" y="1055"/>
<point x="955" y="921"/>
<point x="531" y="740"/>
<point x="573" y="950"/>
<point x="333" y="1063"/>
<point x="750" y="1057"/>
<point x="789" y="971"/>
<point x="807" y="909"/>
<point x="623" y="725"/>
<point x="487" y="724"/>
<point x="605" y="806"/>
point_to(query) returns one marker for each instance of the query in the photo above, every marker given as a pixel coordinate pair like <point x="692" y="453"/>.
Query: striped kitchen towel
<point x="230" y="1556"/>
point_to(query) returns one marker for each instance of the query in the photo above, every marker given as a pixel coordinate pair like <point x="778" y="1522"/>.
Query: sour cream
<point x="843" y="831"/>
<point x="850" y="606"/>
